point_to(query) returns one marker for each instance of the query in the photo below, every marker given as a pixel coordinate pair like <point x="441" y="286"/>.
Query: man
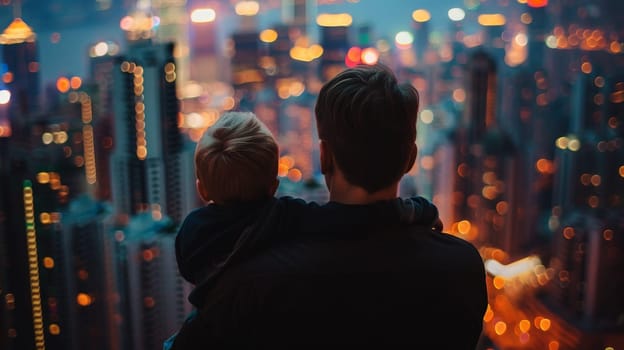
<point x="358" y="270"/>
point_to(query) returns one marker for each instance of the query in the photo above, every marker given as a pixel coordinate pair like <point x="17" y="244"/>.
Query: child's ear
<point x="203" y="194"/>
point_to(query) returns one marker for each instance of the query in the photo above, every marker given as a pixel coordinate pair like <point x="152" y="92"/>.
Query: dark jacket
<point x="347" y="274"/>
<point x="209" y="235"/>
<point x="215" y="236"/>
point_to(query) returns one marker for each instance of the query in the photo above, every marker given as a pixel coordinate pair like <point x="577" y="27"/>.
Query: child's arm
<point x="419" y="210"/>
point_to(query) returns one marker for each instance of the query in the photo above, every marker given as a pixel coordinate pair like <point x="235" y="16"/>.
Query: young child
<point x="236" y="163"/>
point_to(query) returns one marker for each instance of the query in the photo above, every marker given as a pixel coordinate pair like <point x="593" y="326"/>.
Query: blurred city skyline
<point x="520" y="135"/>
<point x="65" y="26"/>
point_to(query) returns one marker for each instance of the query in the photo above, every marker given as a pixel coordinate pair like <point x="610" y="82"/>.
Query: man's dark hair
<point x="369" y="122"/>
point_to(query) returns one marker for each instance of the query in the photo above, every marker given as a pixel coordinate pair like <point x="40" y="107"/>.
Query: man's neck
<point x="343" y="192"/>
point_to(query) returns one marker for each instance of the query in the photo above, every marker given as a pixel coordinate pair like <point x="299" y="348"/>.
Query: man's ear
<point x="412" y="157"/>
<point x="203" y="194"/>
<point x="327" y="158"/>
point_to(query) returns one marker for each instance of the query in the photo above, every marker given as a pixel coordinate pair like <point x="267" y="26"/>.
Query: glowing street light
<point x="63" y="84"/>
<point x="404" y="39"/>
<point x="370" y="56"/>
<point x="268" y="36"/>
<point x="456" y="14"/>
<point x="100" y="49"/>
<point x="421" y="15"/>
<point x="247" y="8"/>
<point x="203" y="15"/>
<point x="537" y="3"/>
<point x="334" y="20"/>
<point x="494" y="19"/>
<point x="5" y="97"/>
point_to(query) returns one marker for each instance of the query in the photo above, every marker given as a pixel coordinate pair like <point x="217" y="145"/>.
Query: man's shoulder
<point x="400" y="249"/>
<point x="448" y="250"/>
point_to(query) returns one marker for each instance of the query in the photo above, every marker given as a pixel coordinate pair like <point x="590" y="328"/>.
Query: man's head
<point x="236" y="160"/>
<point x="367" y="123"/>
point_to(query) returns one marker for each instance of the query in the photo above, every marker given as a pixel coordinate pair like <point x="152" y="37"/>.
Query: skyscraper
<point x="152" y="167"/>
<point x="88" y="299"/>
<point x="152" y="294"/>
<point x="19" y="52"/>
<point x="153" y="188"/>
<point x="102" y="72"/>
<point x="173" y="27"/>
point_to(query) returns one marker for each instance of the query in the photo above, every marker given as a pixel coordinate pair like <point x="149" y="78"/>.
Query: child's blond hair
<point x="236" y="159"/>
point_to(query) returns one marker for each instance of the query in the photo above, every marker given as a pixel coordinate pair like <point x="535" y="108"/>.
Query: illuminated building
<point x="31" y="239"/>
<point x="588" y="249"/>
<point x="299" y="14"/>
<point x="485" y="193"/>
<point x="481" y="103"/>
<point x="16" y="325"/>
<point x="102" y="73"/>
<point x="4" y="278"/>
<point x="152" y="166"/>
<point x="420" y="27"/>
<point x="88" y="299"/>
<point x="493" y="26"/>
<point x="335" y="43"/>
<point x="291" y="45"/>
<point x="245" y="62"/>
<point x="141" y="24"/>
<point x="152" y="293"/>
<point x="275" y="48"/>
<point x="589" y="152"/>
<point x="537" y="28"/>
<point x="19" y="52"/>
<point x="42" y="173"/>
<point x="207" y="63"/>
<point x="587" y="260"/>
<point x="172" y="26"/>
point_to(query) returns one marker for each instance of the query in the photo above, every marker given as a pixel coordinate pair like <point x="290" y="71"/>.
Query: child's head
<point x="236" y="160"/>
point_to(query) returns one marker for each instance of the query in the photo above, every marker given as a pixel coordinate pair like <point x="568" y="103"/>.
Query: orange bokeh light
<point x="544" y="166"/>
<point x="148" y="255"/>
<point x="149" y="302"/>
<point x="83" y="299"/>
<point x="7" y="77"/>
<point x="295" y="175"/>
<point x="464" y="227"/>
<point x="544" y="324"/>
<point x="75" y="83"/>
<point x="63" y="84"/>
<point x="353" y="57"/>
<point x="524" y="326"/>
<point x="282" y="170"/>
<point x="370" y="56"/>
<point x="498" y="282"/>
<point x="568" y="232"/>
<point x="537" y="3"/>
<point x="500" y="327"/>
<point x="489" y="314"/>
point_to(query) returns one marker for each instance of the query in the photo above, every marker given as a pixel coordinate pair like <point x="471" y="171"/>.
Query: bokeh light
<point x="203" y="15"/>
<point x="456" y="14"/>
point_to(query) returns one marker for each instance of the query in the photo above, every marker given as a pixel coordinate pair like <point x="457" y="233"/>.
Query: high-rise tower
<point x="152" y="168"/>
<point x="19" y="52"/>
